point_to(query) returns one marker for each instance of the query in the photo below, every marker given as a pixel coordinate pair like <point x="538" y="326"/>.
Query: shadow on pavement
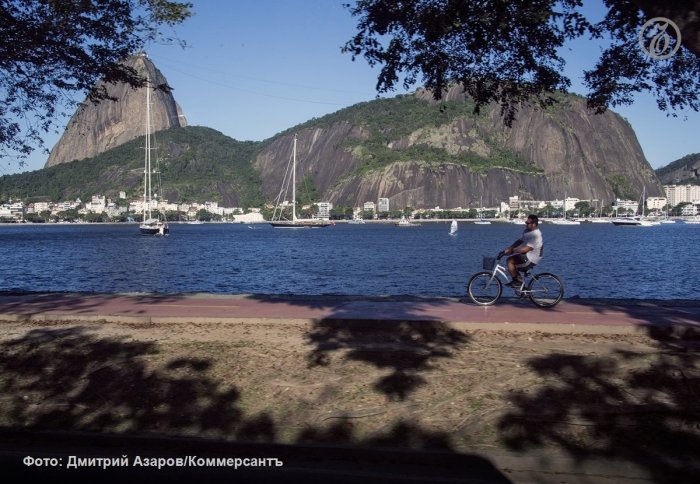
<point x="28" y="304"/>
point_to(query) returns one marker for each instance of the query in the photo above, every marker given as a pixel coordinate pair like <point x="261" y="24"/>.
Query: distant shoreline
<point x="389" y="221"/>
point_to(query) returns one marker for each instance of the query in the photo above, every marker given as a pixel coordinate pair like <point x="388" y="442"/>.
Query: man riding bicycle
<point x="527" y="251"/>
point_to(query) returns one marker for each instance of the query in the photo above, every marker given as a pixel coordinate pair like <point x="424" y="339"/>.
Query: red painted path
<point x="576" y="315"/>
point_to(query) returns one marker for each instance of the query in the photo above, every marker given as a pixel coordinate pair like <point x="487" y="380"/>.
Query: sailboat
<point x="667" y="220"/>
<point x="599" y="219"/>
<point x="453" y="228"/>
<point x="149" y="225"/>
<point x="637" y="220"/>
<point x="482" y="220"/>
<point x="295" y="222"/>
<point x="564" y="220"/>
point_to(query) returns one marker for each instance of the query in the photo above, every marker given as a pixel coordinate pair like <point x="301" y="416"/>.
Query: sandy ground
<point x="412" y="385"/>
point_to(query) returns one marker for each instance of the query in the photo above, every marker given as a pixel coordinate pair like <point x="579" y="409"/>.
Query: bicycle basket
<point x="489" y="262"/>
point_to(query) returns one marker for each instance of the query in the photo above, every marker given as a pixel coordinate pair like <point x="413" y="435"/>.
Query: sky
<point x="254" y="68"/>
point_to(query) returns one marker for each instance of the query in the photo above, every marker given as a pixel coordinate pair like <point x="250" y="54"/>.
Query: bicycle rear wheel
<point x="484" y="289"/>
<point x="546" y="290"/>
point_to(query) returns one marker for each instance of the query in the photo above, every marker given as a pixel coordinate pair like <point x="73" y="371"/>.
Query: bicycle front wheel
<point x="546" y="290"/>
<point x="484" y="288"/>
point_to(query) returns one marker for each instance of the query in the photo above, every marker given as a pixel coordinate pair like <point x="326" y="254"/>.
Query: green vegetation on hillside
<point x="196" y="164"/>
<point x="683" y="164"/>
<point x="390" y="120"/>
<point x="621" y="187"/>
<point x="200" y="164"/>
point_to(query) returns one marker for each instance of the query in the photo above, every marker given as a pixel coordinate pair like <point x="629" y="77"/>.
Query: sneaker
<point x="515" y="283"/>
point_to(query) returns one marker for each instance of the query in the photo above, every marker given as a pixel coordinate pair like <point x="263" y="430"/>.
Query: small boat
<point x="633" y="221"/>
<point x="404" y="222"/>
<point x="482" y="220"/>
<point x="150" y="225"/>
<point x="453" y="228"/>
<point x="153" y="226"/>
<point x="667" y="220"/>
<point x="636" y="220"/>
<point x="294" y="223"/>
<point x="564" y="220"/>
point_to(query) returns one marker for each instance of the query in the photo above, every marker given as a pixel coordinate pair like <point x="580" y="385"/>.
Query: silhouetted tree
<point x="507" y="51"/>
<point x="50" y="49"/>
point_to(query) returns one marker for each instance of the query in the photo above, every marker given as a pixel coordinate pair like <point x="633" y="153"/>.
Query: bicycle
<point x="485" y="288"/>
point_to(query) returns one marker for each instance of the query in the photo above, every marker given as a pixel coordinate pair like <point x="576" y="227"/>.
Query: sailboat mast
<point x="148" y="140"/>
<point x="294" y="180"/>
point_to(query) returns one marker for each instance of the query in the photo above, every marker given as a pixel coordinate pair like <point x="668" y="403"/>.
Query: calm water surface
<point x="594" y="260"/>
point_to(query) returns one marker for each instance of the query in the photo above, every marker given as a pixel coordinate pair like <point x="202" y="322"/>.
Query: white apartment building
<point x="690" y="210"/>
<point x="12" y="210"/>
<point x="324" y="209"/>
<point x="97" y="204"/>
<point x="369" y="207"/>
<point x="570" y="203"/>
<point x="656" y="203"/>
<point x="515" y="203"/>
<point x="682" y="194"/>
<point x="213" y="207"/>
<point x="383" y="205"/>
<point x="38" y="207"/>
<point x="67" y="205"/>
<point x="630" y="205"/>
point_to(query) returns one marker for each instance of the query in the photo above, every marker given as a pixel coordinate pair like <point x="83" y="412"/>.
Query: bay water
<point x="593" y="260"/>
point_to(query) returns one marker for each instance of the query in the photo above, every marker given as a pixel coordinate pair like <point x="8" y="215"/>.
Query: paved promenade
<point x="573" y="315"/>
<point x="324" y="463"/>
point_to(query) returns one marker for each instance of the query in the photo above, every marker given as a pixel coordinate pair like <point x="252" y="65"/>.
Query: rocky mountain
<point x="423" y="153"/>
<point x="96" y="128"/>
<point x="683" y="171"/>
<point x="414" y="150"/>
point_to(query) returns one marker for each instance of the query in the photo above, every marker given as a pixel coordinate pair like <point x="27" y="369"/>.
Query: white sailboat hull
<point x="158" y="229"/>
<point x="632" y="222"/>
<point x="299" y="224"/>
<point x="565" y="222"/>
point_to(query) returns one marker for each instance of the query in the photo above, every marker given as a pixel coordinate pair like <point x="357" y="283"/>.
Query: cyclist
<point x="527" y="251"/>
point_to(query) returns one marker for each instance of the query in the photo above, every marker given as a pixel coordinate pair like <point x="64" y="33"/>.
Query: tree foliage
<point x="197" y="164"/>
<point x="52" y="49"/>
<point x="507" y="51"/>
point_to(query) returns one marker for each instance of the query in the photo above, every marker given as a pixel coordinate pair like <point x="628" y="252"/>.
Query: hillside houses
<point x="100" y="208"/>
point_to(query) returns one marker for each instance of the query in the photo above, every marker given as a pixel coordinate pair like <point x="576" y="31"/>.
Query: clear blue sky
<point x="254" y="68"/>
